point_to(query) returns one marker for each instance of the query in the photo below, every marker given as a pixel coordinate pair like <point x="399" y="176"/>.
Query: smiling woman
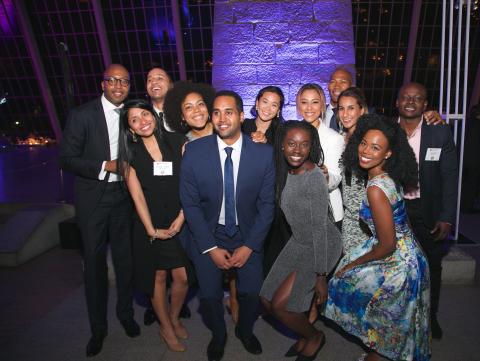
<point x="188" y="107"/>
<point x="380" y="291"/>
<point x="268" y="111"/>
<point x="299" y="273"/>
<point x="149" y="161"/>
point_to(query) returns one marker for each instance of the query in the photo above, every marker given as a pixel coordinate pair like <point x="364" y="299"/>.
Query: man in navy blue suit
<point x="227" y="193"/>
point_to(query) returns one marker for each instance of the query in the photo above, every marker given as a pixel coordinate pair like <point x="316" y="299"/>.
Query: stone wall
<point x="282" y="43"/>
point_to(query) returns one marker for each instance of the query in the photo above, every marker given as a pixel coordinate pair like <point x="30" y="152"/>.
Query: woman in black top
<point x="268" y="112"/>
<point x="268" y="115"/>
<point x="149" y="161"/>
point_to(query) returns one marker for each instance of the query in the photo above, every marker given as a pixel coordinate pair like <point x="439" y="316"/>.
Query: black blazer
<point x="438" y="179"/>
<point x="84" y="148"/>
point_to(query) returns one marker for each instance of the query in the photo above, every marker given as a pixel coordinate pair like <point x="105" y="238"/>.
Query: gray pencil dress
<point x="315" y="245"/>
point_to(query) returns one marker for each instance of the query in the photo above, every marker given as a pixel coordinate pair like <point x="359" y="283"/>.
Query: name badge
<point x="162" y="168"/>
<point x="433" y="154"/>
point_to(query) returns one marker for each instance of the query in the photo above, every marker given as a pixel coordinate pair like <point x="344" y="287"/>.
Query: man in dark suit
<point x="157" y="84"/>
<point x="103" y="208"/>
<point x="431" y="208"/>
<point x="227" y="193"/>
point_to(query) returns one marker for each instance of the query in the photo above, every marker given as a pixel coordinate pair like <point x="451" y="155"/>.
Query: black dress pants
<point x="110" y="221"/>
<point x="433" y="250"/>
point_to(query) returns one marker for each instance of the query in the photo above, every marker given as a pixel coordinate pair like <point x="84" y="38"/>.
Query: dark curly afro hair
<point x="401" y="166"/>
<point x="172" y="107"/>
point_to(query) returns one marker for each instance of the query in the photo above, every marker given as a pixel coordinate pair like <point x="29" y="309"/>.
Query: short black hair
<point x="282" y="167"/>
<point x="234" y="95"/>
<point x="172" y="107"/>
<point x="401" y="166"/>
<point x="422" y="87"/>
<point x="156" y="66"/>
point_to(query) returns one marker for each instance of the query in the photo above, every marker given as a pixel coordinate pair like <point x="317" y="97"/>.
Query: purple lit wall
<point x="283" y="43"/>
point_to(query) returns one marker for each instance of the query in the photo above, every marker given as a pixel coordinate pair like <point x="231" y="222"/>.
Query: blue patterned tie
<point x="228" y="184"/>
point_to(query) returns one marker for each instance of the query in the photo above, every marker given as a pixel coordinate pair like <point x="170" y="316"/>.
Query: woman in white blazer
<point x="311" y="106"/>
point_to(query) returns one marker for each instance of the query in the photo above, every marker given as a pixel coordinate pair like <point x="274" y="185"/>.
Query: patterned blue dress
<point x="385" y="302"/>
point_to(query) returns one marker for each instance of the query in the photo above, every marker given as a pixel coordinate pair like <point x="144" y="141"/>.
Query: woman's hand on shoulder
<point x="258" y="137"/>
<point x="325" y="171"/>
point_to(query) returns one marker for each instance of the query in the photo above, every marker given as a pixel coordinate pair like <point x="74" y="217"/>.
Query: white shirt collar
<point x="237" y="146"/>
<point x="107" y="105"/>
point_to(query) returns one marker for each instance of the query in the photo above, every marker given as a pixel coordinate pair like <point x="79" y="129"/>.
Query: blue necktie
<point x="230" y="226"/>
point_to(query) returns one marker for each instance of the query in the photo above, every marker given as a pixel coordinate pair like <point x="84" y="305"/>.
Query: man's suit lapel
<point x="101" y="123"/>
<point x="216" y="171"/>
<point x="242" y="176"/>
<point x="425" y="142"/>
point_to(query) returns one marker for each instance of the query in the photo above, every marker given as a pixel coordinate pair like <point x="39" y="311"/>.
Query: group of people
<point x="341" y="213"/>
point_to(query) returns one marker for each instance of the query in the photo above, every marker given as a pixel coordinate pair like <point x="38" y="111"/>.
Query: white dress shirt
<point x="328" y="115"/>
<point x="333" y="145"/>
<point x="113" y="119"/>
<point x="237" y="150"/>
<point x="165" y="123"/>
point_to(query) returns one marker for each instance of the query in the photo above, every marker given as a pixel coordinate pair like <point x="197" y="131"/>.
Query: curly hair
<point x="401" y="166"/>
<point x="282" y="167"/>
<point x="174" y="98"/>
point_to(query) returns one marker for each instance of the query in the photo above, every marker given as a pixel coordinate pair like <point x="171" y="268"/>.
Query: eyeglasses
<point x="112" y="81"/>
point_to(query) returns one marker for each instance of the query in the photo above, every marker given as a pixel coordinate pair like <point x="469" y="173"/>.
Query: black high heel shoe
<point x="292" y="351"/>
<point x="301" y="357"/>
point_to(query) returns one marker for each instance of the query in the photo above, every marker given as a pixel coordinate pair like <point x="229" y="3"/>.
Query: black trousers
<point x="110" y="221"/>
<point x="433" y="250"/>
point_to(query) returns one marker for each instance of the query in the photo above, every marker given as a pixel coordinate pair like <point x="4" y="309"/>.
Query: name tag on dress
<point x="433" y="154"/>
<point x="162" y="168"/>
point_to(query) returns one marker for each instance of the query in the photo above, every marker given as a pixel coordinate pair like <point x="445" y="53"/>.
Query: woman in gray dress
<point x="300" y="270"/>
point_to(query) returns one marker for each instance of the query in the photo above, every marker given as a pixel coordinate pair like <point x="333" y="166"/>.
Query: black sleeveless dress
<point x="163" y="201"/>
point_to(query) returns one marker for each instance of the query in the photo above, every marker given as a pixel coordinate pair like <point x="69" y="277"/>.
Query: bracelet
<point x="324" y="274"/>
<point x="154" y="237"/>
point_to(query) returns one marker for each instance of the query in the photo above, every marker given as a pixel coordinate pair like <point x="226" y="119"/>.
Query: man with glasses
<point x="431" y="206"/>
<point x="103" y="209"/>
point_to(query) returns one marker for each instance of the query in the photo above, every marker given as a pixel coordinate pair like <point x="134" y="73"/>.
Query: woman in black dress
<point x="149" y="161"/>
<point x="268" y="115"/>
<point x="263" y="128"/>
